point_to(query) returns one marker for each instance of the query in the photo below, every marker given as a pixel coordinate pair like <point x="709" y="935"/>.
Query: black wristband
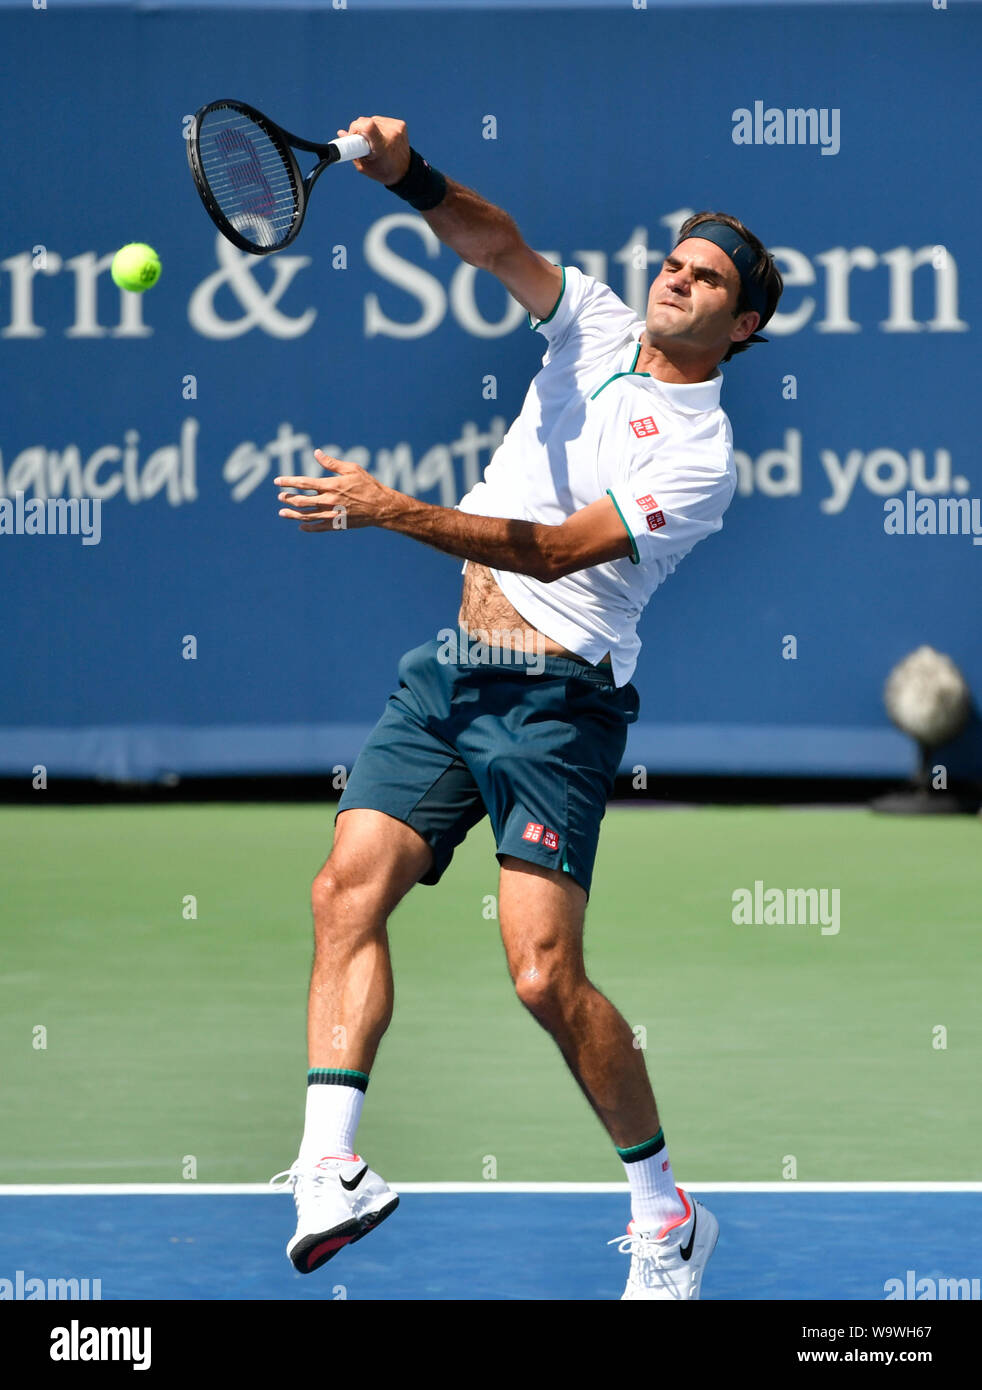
<point x="421" y="186"/>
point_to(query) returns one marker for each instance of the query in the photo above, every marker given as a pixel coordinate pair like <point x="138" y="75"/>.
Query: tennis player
<point x="620" y="461"/>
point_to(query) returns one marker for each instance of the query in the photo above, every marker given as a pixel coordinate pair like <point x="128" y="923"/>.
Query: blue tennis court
<point x="487" y="1245"/>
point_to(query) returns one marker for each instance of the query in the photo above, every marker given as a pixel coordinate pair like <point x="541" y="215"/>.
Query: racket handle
<point x="351" y="147"/>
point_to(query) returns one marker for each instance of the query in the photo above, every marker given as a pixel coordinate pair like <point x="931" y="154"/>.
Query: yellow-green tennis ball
<point x="136" y="267"/>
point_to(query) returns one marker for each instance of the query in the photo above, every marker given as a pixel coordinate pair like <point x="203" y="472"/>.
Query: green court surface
<point x="170" y="1039"/>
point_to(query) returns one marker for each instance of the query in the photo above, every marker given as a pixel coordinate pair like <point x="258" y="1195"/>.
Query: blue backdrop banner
<point x="184" y="628"/>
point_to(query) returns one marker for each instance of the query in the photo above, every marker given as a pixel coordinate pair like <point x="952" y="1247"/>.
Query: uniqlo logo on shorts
<point x="654" y="520"/>
<point x="533" y="832"/>
<point x="647" y="503"/>
<point x="550" y="839"/>
<point x="645" y="427"/>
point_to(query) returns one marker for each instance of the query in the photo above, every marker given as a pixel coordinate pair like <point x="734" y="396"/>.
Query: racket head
<point x="247" y="176"/>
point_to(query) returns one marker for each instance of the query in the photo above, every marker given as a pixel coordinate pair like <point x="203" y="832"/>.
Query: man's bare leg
<point x="374" y="863"/>
<point x="541" y="912"/>
<point x="541" y="916"/>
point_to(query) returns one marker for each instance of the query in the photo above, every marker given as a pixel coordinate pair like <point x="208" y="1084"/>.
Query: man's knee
<point x="549" y="985"/>
<point x="538" y="991"/>
<point x="374" y="863"/>
<point x="329" y="890"/>
<point x="345" y="896"/>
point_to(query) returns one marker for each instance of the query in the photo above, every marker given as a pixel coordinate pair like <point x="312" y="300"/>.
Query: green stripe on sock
<point x="328" y="1076"/>
<point x="641" y="1151"/>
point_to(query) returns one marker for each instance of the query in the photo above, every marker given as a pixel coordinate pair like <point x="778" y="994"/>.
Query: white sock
<point x="331" y="1120"/>
<point x="654" y="1199"/>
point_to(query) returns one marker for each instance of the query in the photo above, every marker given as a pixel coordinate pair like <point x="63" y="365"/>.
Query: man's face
<point x="692" y="299"/>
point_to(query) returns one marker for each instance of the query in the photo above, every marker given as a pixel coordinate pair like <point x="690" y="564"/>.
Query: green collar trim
<point x="629" y="372"/>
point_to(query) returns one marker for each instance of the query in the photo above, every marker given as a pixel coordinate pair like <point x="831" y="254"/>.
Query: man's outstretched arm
<point x="480" y="233"/>
<point x="352" y="499"/>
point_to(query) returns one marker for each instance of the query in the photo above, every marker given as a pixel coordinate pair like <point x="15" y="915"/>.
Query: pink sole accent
<point x="324" y="1247"/>
<point x="672" y="1225"/>
<point x="679" y="1220"/>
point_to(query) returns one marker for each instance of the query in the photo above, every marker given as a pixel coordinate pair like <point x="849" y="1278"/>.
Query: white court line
<point x="247" y="1189"/>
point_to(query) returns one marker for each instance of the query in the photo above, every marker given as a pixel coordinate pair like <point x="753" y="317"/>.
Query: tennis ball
<point x="136" y="267"/>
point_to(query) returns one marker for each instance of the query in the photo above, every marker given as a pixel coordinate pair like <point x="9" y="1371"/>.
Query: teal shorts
<point x="535" y="750"/>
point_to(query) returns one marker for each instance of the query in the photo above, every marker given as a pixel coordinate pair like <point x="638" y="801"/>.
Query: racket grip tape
<point x="351" y="147"/>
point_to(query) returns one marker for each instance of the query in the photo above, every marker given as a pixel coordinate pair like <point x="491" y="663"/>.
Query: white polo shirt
<point x="591" y="426"/>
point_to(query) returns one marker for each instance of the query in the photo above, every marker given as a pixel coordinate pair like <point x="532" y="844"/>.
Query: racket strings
<point x="248" y="176"/>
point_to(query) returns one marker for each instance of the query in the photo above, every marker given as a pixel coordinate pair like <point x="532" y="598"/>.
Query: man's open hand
<point x="350" y="499"/>
<point x="389" y="140"/>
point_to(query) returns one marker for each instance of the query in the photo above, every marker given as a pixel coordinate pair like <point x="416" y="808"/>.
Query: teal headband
<point x="742" y="257"/>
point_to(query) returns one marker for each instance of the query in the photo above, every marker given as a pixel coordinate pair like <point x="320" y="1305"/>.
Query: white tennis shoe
<point x="338" y="1201"/>
<point x="670" y="1264"/>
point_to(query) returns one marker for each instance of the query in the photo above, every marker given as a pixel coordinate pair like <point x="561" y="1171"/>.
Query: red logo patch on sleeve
<point x="533" y="832"/>
<point x="644" y="427"/>
<point x="654" y="520"/>
<point x="647" y="503"/>
<point x="550" y="839"/>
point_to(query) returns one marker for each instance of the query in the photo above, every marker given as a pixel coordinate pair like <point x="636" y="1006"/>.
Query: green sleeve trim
<point x="635" y="557"/>
<point x="550" y="317"/>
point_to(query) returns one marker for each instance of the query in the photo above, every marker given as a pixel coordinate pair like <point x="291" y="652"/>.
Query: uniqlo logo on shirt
<point x="550" y="839"/>
<point x="654" y="520"/>
<point x="647" y="503"/>
<point x="645" y="427"/>
<point x="533" y="832"/>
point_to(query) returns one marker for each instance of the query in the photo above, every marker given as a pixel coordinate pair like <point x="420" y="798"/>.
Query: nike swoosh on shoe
<point x="350" y="1186"/>
<point x="686" y="1250"/>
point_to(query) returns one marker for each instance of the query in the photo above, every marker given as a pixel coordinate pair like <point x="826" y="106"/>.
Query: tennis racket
<point x="246" y="171"/>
